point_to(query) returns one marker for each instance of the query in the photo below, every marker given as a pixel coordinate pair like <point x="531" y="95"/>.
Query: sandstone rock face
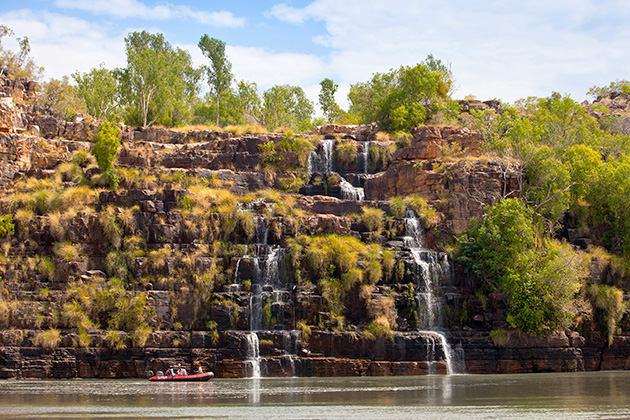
<point x="459" y="186"/>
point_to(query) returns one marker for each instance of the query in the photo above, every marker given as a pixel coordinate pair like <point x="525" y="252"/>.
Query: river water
<point x="586" y="395"/>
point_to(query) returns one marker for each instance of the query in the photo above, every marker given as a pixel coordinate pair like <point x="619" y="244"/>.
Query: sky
<point x="497" y="49"/>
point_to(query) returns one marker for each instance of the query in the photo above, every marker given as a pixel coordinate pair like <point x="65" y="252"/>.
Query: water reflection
<point x="572" y="395"/>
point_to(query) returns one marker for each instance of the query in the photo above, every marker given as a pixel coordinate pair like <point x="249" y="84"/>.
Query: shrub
<point x="114" y="340"/>
<point x="7" y="228"/>
<point x="303" y="326"/>
<point x="345" y="153"/>
<point x="373" y="218"/>
<point x="375" y="331"/>
<point x="609" y="308"/>
<point x="66" y="251"/>
<point x="397" y="207"/>
<point x="500" y="337"/>
<point x="402" y="139"/>
<point x="47" y="339"/>
<point x="106" y="146"/>
<point x="69" y="172"/>
<point x="141" y="335"/>
<point x="427" y="214"/>
<point x="82" y="158"/>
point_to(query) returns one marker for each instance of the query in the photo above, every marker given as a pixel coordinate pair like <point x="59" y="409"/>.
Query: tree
<point x="158" y="83"/>
<point x="250" y="102"/>
<point x="286" y="105"/>
<point x="327" y="100"/>
<point x="60" y="96"/>
<point x="403" y="98"/>
<point x="619" y="86"/>
<point x="219" y="71"/>
<point x="106" y="146"/>
<point x="99" y="90"/>
<point x="508" y="253"/>
<point x="17" y="64"/>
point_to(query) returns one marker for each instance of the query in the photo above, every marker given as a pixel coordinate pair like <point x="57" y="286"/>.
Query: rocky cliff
<point x="197" y="258"/>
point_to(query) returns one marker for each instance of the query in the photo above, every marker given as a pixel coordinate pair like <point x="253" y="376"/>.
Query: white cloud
<point x="497" y="49"/>
<point x="268" y="68"/>
<point x="166" y="11"/>
<point x="63" y="44"/>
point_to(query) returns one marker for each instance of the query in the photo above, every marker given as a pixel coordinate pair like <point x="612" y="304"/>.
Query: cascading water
<point x="348" y="192"/>
<point x="365" y="154"/>
<point x="253" y="354"/>
<point x="321" y="162"/>
<point x="432" y="271"/>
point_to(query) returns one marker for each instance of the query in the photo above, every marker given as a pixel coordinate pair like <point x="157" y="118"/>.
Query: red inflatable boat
<point x="199" y="377"/>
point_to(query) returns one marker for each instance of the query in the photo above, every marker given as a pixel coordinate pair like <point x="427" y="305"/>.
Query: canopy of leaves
<point x="17" y="64"/>
<point x="99" y="89"/>
<point x="220" y="70"/>
<point x="403" y="98"/>
<point x="286" y="106"/>
<point x="507" y="252"/>
<point x="159" y="82"/>
<point x="327" y="100"/>
<point x="61" y="96"/>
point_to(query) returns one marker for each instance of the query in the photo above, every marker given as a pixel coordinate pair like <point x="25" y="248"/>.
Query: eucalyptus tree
<point x="99" y="89"/>
<point x="159" y="82"/>
<point x="219" y="71"/>
<point x="405" y="97"/>
<point x="327" y="100"/>
<point x="286" y="105"/>
<point x="17" y="63"/>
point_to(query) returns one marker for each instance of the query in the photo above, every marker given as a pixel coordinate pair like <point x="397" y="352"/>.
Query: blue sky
<point x="496" y="48"/>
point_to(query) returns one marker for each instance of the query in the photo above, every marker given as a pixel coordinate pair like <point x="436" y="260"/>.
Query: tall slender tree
<point x="220" y="69"/>
<point x="327" y="99"/>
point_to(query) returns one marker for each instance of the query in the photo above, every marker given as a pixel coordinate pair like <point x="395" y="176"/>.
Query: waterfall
<point x="433" y="270"/>
<point x="321" y="162"/>
<point x="348" y="192"/>
<point x="290" y="343"/>
<point x="366" y="156"/>
<point x="272" y="274"/>
<point x="261" y="230"/>
<point x="253" y="354"/>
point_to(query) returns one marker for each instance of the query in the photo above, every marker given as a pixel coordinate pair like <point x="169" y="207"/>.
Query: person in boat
<point x="169" y="372"/>
<point x="181" y="371"/>
<point x="199" y="369"/>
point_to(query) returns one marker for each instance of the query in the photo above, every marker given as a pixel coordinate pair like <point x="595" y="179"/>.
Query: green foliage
<point x="334" y="261"/>
<point x="373" y="218"/>
<point x="620" y="86"/>
<point x="99" y="90"/>
<point x="114" y="340"/>
<point x="374" y="331"/>
<point x="219" y="72"/>
<point x="286" y="105"/>
<point x="327" y="100"/>
<point x="7" y="227"/>
<point x="106" y="146"/>
<point x="18" y="64"/>
<point x="500" y="337"/>
<point x="397" y="207"/>
<point x="48" y="339"/>
<point x="345" y="153"/>
<point x="427" y="215"/>
<point x="61" y="97"/>
<point x="508" y="253"/>
<point x="403" y="98"/>
<point x="289" y="153"/>
<point x="609" y="308"/>
<point x="159" y="82"/>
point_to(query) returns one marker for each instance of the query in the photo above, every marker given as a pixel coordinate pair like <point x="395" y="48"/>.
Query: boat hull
<point x="199" y="377"/>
